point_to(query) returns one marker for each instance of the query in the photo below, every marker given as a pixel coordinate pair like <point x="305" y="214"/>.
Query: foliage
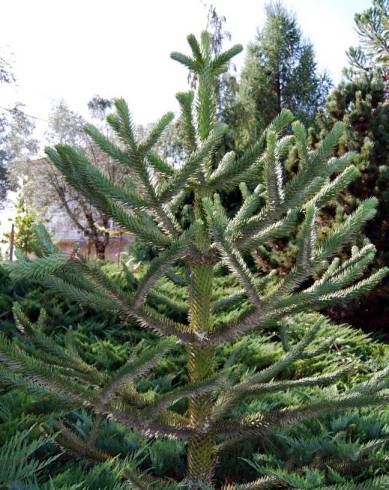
<point x="16" y="131"/>
<point x="280" y="72"/>
<point x="15" y="464"/>
<point x="259" y="350"/>
<point x="18" y="138"/>
<point x="98" y="106"/>
<point x="110" y="348"/>
<point x="6" y="76"/>
<point x="211" y="406"/>
<point x="360" y="102"/>
<point x="24" y="228"/>
<point x="373" y="31"/>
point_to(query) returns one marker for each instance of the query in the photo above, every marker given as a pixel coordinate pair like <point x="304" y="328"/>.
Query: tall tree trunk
<point x="278" y="94"/>
<point x="201" y="453"/>
<point x="201" y="447"/>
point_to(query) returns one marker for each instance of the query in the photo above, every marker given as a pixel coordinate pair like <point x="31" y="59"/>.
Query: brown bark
<point x="100" y="243"/>
<point x="278" y="94"/>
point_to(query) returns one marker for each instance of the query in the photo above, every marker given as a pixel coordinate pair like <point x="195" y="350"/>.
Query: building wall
<point x="116" y="247"/>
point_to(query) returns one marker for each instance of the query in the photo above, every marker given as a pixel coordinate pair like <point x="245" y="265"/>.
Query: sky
<point x="74" y="49"/>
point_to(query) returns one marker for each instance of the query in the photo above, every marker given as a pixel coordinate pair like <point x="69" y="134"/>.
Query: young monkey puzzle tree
<point x="145" y="204"/>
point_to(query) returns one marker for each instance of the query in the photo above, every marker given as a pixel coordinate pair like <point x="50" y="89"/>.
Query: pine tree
<point x="280" y="72"/>
<point x="360" y="105"/>
<point x="211" y="245"/>
<point x="360" y="101"/>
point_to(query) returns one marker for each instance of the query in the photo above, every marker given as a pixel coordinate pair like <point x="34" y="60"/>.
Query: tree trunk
<point x="278" y="94"/>
<point x="101" y="243"/>
<point x="201" y="452"/>
<point x="12" y="243"/>
<point x="201" y="447"/>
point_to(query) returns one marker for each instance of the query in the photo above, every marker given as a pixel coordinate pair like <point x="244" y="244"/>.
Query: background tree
<point x="98" y="106"/>
<point x="24" y="226"/>
<point x="16" y="132"/>
<point x="47" y="192"/>
<point x="208" y="409"/>
<point x="280" y="72"/>
<point x="360" y="102"/>
<point x="6" y="76"/>
<point x="372" y="26"/>
<point x="64" y="125"/>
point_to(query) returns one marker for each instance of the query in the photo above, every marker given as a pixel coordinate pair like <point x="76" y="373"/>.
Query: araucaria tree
<point x="214" y="244"/>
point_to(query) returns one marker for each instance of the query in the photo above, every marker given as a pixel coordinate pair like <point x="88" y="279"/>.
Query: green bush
<point x="345" y="440"/>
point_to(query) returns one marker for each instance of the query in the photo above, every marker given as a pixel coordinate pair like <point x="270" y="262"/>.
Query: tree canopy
<point x="280" y="72"/>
